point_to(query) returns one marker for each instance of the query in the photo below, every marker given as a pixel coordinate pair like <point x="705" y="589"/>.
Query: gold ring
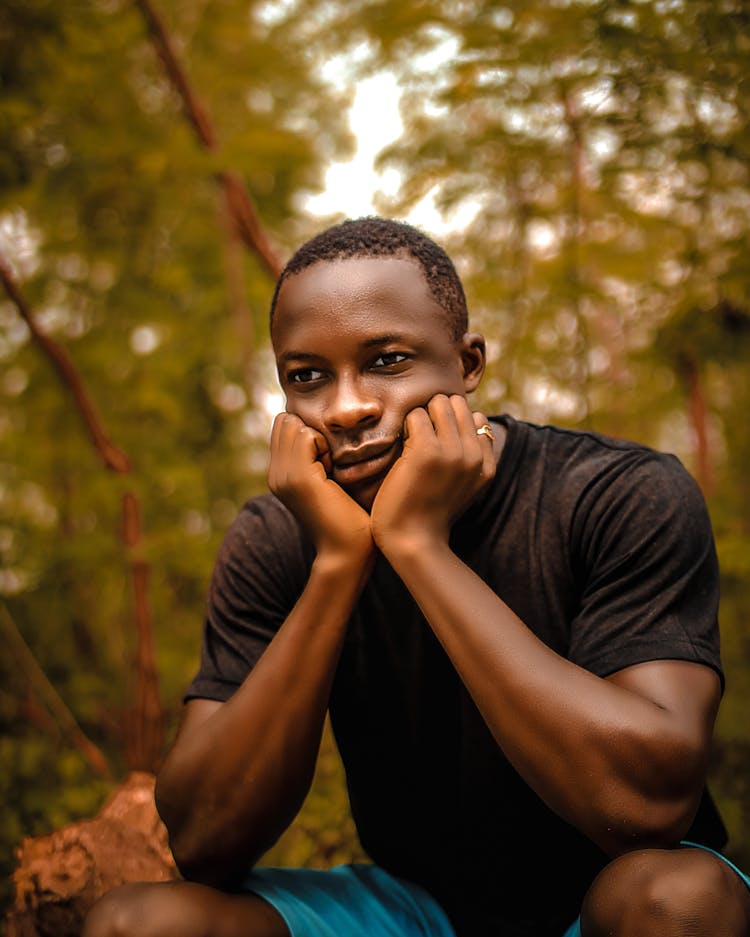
<point x="486" y="430"/>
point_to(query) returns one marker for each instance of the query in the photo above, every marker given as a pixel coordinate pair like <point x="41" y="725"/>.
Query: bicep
<point x="194" y="713"/>
<point x="687" y="692"/>
<point x="646" y="573"/>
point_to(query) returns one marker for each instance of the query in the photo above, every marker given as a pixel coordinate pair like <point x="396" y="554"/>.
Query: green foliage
<point x="323" y="834"/>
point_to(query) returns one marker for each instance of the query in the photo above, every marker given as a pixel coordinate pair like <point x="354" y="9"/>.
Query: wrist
<point x="344" y="560"/>
<point x="412" y="546"/>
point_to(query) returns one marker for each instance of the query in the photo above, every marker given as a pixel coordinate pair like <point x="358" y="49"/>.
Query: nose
<point x="351" y="405"/>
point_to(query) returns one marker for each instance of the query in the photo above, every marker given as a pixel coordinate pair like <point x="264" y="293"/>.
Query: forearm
<point x="614" y="763"/>
<point x="233" y="783"/>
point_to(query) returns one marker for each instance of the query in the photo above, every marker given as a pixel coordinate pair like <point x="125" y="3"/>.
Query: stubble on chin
<point x="364" y="495"/>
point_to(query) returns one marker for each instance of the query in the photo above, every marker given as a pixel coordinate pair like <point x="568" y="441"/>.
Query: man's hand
<point x="297" y="475"/>
<point x="443" y="466"/>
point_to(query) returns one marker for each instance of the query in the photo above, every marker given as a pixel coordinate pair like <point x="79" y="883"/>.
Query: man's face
<point x="359" y="343"/>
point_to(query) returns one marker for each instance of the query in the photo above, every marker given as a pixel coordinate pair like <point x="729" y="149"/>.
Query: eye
<point x="389" y="358"/>
<point x="304" y="376"/>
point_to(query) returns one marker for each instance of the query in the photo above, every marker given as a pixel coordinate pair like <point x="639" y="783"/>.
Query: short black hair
<point x="383" y="237"/>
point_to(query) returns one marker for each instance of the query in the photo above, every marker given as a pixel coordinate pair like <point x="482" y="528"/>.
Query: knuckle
<point x="454" y="457"/>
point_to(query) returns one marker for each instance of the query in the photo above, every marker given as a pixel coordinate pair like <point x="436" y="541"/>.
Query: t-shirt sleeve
<point x="646" y="564"/>
<point x="261" y="569"/>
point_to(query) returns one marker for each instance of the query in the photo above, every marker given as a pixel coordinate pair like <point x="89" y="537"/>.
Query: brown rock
<point x="60" y="876"/>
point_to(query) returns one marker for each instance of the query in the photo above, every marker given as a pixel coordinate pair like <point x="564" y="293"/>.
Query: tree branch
<point x="114" y="458"/>
<point x="65" y="718"/>
<point x="144" y="737"/>
<point x="145" y="723"/>
<point x="194" y="111"/>
<point x="240" y="204"/>
<point x="247" y="223"/>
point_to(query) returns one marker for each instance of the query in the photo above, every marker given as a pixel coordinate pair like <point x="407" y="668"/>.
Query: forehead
<point x="349" y="295"/>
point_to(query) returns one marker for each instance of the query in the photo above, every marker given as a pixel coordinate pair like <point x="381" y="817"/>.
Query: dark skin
<point x="378" y="450"/>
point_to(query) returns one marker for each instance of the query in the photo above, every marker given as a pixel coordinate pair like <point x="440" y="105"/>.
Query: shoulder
<point x="584" y="449"/>
<point x="264" y="535"/>
<point x="631" y="487"/>
<point x="596" y="486"/>
<point x="587" y="464"/>
<point x="264" y="513"/>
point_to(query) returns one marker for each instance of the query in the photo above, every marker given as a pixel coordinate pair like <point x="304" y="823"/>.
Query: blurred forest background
<point x="591" y="161"/>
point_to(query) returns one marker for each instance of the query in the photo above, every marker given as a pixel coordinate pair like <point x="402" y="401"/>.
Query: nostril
<point x="351" y="412"/>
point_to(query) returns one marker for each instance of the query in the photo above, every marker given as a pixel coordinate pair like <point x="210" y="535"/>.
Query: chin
<point x="365" y="495"/>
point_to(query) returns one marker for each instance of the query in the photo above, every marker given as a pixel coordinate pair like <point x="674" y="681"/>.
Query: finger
<point x="480" y="420"/>
<point x="489" y="459"/>
<point x="443" y="419"/>
<point x="284" y="426"/>
<point x="471" y="448"/>
<point x="276" y="429"/>
<point x="280" y="433"/>
<point x="277" y="467"/>
<point x="300" y="440"/>
<point x="465" y="420"/>
<point x="291" y="431"/>
<point x="417" y="427"/>
<point x="307" y="445"/>
<point x="323" y="451"/>
<point x="294" y="446"/>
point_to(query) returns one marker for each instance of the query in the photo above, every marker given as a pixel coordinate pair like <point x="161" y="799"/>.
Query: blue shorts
<point x="363" y="901"/>
<point x="349" y="901"/>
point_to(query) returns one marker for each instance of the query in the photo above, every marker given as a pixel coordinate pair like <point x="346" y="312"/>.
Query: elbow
<point x="207" y="844"/>
<point x="161" y="798"/>
<point x="167" y="800"/>
<point x="187" y="854"/>
<point x="188" y="863"/>
<point x="185" y="840"/>
<point x="196" y="861"/>
<point x="652" y="800"/>
<point x="646" y="824"/>
<point x="194" y="867"/>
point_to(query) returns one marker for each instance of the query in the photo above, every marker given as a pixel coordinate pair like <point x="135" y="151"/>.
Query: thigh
<point x="181" y="909"/>
<point x="670" y="893"/>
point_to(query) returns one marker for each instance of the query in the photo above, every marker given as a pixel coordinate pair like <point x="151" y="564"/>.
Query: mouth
<point x="352" y="466"/>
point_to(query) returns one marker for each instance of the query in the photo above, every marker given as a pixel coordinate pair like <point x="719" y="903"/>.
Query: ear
<point x="473" y="359"/>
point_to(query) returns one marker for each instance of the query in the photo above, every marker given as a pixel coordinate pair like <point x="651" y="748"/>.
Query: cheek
<point x="440" y="379"/>
<point x="310" y="414"/>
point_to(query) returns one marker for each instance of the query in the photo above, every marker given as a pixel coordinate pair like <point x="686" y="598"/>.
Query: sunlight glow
<point x="375" y="121"/>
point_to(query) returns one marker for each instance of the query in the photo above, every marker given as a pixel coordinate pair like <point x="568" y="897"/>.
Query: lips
<point x="365" y="462"/>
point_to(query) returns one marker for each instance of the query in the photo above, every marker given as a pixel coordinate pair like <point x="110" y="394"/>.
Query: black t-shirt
<point x="603" y="548"/>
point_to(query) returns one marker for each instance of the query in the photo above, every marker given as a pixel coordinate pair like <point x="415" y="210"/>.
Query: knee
<point x="656" y="892"/>
<point x="119" y="913"/>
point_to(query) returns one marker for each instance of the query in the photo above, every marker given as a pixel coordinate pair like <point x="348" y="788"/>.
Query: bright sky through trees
<point x="351" y="186"/>
<point x="375" y="121"/>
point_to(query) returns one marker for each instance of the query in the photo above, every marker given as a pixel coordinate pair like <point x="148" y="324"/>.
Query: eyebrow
<point x="297" y="356"/>
<point x="383" y="340"/>
<point x="368" y="343"/>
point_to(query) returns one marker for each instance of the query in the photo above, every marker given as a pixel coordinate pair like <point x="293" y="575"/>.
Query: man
<point x="513" y="627"/>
